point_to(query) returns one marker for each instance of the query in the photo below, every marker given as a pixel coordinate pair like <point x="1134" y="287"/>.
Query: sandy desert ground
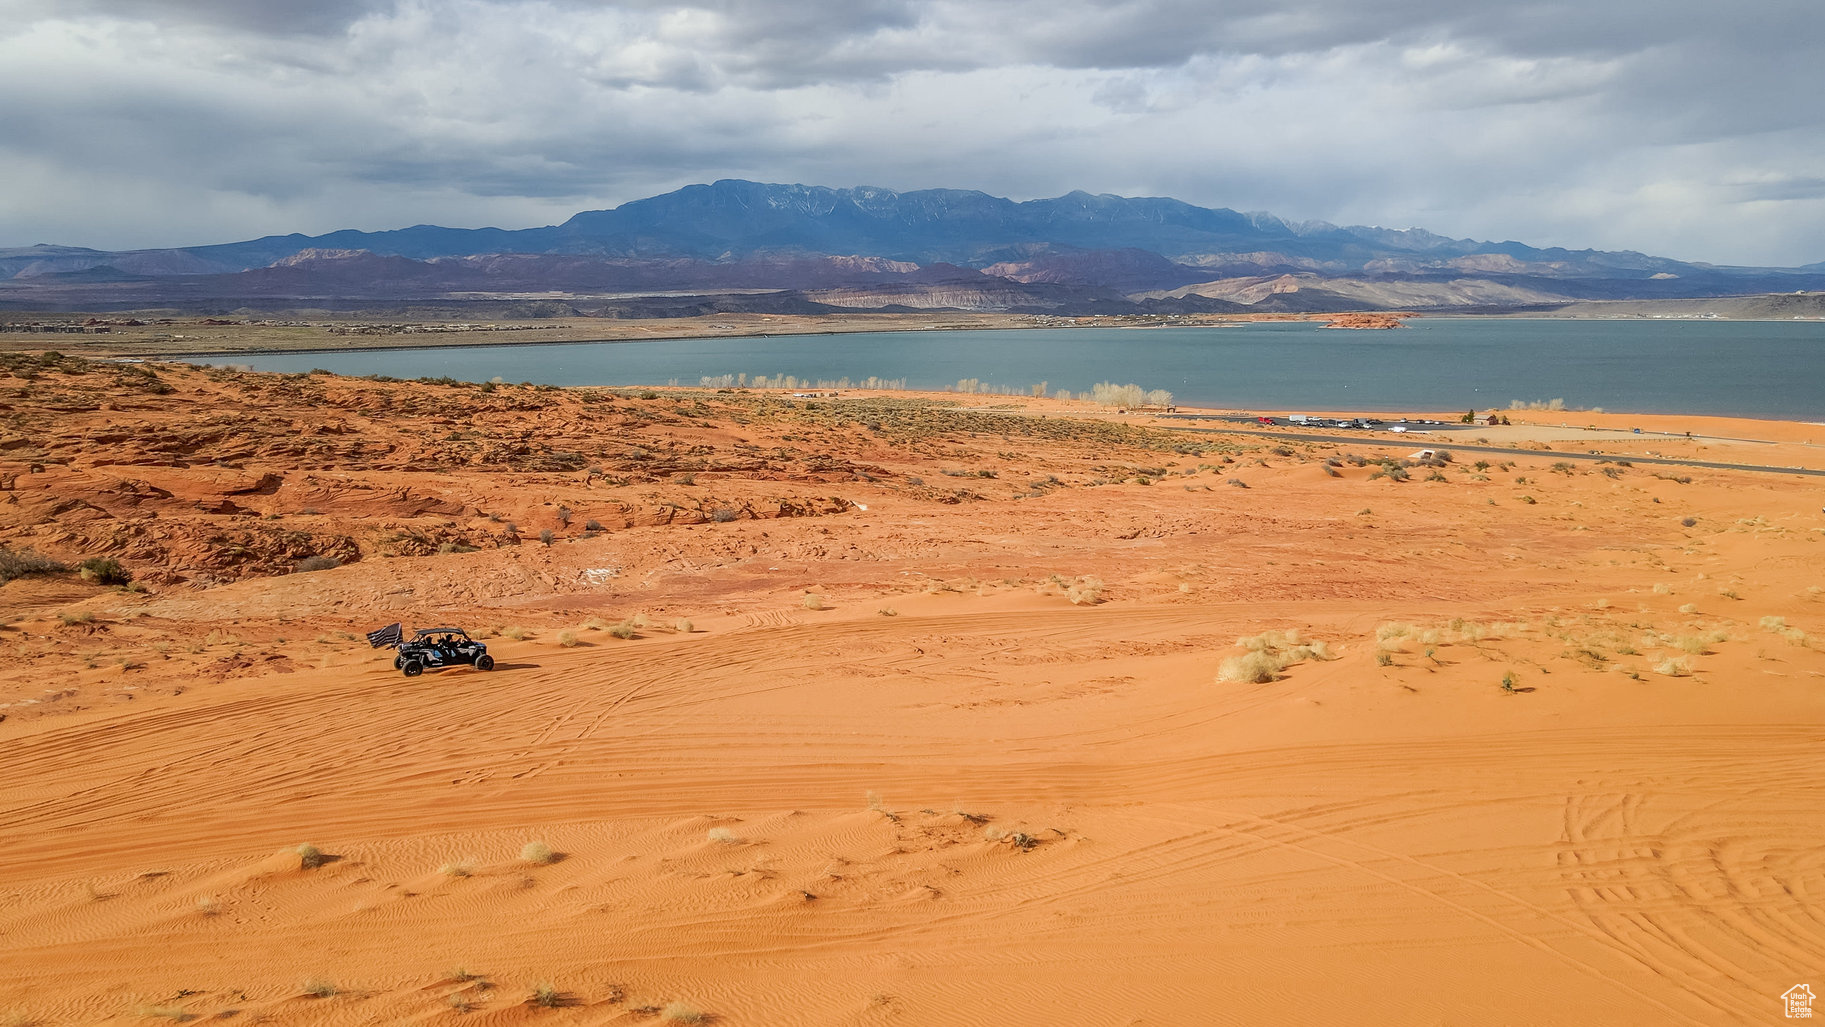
<point x="887" y="709"/>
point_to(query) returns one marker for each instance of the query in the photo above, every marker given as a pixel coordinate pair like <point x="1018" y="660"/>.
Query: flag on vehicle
<point x="386" y="637"/>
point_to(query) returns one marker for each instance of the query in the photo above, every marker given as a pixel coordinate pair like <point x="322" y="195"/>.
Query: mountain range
<point x="737" y="245"/>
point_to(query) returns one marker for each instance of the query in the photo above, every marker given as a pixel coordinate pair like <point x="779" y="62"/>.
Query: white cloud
<point x="1671" y="126"/>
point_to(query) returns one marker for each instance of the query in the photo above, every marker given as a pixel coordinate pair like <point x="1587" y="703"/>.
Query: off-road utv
<point x="440" y="647"/>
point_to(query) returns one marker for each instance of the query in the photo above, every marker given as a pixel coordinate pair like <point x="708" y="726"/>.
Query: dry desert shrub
<point x="317" y="987"/>
<point x="1088" y="591"/>
<point x="1674" y="667"/>
<point x="1019" y="839"/>
<point x="1457" y="631"/>
<point x="1251" y="668"/>
<point x="25" y="563"/>
<point x="1287" y="642"/>
<point x="1778" y="625"/>
<point x="683" y="626"/>
<point x="723" y="835"/>
<point x="546" y="995"/>
<point x="813" y="601"/>
<point x="1699" y="644"/>
<point x="518" y="634"/>
<point x="678" y="1012"/>
<point x="623" y="630"/>
<point x="537" y="852"/>
<point x="1268" y="654"/>
<point x="310" y="857"/>
<point x="101" y="570"/>
<point x="569" y="639"/>
<point x="457" y="869"/>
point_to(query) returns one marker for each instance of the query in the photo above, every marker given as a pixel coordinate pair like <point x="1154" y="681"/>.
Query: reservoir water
<point x="1769" y="369"/>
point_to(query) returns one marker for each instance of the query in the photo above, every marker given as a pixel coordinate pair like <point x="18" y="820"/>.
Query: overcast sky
<point x="1684" y="128"/>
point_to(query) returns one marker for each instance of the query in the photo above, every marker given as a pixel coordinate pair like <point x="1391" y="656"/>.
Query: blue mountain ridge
<point x="734" y="219"/>
<point x="865" y="247"/>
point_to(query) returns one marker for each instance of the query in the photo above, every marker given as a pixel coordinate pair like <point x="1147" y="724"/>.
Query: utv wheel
<point x="412" y="668"/>
<point x="484" y="662"/>
<point x="398" y="662"/>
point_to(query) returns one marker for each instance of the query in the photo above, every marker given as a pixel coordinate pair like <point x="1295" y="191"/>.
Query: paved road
<point x="1427" y="442"/>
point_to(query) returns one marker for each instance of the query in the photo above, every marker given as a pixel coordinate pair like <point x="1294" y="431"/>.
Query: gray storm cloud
<point x="1681" y="128"/>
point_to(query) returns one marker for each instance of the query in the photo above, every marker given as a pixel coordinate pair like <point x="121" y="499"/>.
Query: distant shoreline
<point x="454" y="340"/>
<point x="190" y="338"/>
<point x="186" y="338"/>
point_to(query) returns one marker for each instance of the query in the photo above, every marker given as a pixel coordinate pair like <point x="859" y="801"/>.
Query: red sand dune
<point x="945" y="749"/>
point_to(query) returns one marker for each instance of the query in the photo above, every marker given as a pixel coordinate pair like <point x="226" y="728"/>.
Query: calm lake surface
<point x="1742" y="368"/>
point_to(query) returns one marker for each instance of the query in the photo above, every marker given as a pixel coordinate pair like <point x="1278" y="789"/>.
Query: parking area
<point x="1330" y="422"/>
